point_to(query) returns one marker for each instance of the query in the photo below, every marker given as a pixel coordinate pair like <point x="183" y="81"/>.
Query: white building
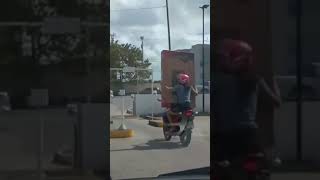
<point x="197" y="51"/>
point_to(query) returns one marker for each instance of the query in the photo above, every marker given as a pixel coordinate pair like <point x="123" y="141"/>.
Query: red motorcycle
<point x="181" y="126"/>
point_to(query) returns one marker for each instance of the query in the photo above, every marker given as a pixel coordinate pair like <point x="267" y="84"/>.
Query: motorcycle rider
<point x="235" y="99"/>
<point x="183" y="92"/>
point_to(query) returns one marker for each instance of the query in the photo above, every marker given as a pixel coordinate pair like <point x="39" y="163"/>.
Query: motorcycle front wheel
<point x="185" y="138"/>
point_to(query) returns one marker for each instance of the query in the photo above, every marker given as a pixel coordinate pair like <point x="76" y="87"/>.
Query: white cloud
<point x="185" y="25"/>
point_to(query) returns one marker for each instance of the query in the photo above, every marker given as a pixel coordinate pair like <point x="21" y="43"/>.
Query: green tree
<point x="128" y="55"/>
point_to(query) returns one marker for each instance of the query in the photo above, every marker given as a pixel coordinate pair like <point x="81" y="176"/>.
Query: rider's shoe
<point x="224" y="163"/>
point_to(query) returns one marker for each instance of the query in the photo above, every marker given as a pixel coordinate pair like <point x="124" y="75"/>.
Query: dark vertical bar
<point x="299" y="81"/>
<point x="167" y="6"/>
<point x="203" y="60"/>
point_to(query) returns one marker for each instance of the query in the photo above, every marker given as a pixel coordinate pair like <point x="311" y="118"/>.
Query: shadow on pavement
<point x="155" y="144"/>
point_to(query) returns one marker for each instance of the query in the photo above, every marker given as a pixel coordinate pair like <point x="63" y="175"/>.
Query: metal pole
<point x="299" y="82"/>
<point x="152" y="92"/>
<point x="122" y="108"/>
<point x="203" y="103"/>
<point x="137" y="89"/>
<point x="169" y="41"/>
<point x="122" y="126"/>
<point x="142" y="46"/>
<point x="203" y="95"/>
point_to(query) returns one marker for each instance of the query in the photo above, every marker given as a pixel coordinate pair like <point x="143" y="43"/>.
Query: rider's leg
<point x="170" y="114"/>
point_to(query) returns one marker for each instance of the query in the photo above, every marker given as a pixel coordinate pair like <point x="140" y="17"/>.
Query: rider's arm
<point x="273" y="95"/>
<point x="169" y="88"/>
<point x="173" y="89"/>
<point x="194" y="90"/>
<point x="276" y="87"/>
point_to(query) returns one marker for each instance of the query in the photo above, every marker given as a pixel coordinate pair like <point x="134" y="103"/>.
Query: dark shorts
<point x="181" y="107"/>
<point x="235" y="144"/>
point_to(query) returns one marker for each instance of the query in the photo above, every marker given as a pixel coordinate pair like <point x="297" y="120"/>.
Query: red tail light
<point x="250" y="166"/>
<point x="188" y="113"/>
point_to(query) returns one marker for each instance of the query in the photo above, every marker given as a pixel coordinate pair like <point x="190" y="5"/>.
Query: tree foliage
<point x="128" y="55"/>
<point x="48" y="48"/>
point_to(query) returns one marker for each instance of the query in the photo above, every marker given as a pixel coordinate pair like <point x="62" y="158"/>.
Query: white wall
<point x="143" y="104"/>
<point x="197" y="51"/>
<point x="199" y="104"/>
<point x="285" y="131"/>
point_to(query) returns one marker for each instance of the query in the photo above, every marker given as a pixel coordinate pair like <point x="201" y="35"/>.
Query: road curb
<point x="121" y="133"/>
<point x="155" y="123"/>
<point x="154" y="118"/>
<point x="129" y="116"/>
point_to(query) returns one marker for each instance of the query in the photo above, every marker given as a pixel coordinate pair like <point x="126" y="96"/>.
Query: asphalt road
<point x="148" y="155"/>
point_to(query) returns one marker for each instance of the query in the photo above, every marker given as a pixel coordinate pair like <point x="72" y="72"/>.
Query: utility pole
<point x="137" y="72"/>
<point x="167" y="6"/>
<point x="142" y="46"/>
<point x="203" y="97"/>
<point x="112" y="36"/>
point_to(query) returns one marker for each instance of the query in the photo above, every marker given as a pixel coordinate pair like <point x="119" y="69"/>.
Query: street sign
<point x="129" y="69"/>
<point x="61" y="25"/>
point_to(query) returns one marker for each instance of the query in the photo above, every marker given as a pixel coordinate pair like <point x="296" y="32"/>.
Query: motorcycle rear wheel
<point x="167" y="136"/>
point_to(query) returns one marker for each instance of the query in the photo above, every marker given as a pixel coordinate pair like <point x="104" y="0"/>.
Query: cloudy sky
<point x="131" y="19"/>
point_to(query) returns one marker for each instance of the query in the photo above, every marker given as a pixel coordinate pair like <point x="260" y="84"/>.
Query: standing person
<point x="236" y="85"/>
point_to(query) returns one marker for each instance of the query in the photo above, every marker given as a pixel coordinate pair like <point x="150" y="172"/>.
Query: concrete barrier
<point x="121" y="133"/>
<point x="156" y="123"/>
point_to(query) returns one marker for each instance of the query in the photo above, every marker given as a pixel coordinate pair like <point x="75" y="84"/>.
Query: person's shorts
<point x="235" y="144"/>
<point x="180" y="107"/>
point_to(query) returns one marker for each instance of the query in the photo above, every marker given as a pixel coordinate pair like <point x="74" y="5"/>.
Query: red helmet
<point x="237" y="56"/>
<point x="183" y="78"/>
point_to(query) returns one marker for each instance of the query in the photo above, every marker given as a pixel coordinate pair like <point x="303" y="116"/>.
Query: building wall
<point x="282" y="29"/>
<point x="283" y="20"/>
<point x="310" y="31"/>
<point x="197" y="51"/>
